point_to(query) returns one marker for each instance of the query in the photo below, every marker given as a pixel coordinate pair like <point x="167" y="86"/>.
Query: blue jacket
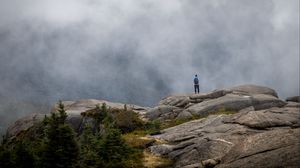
<point x="196" y="81"/>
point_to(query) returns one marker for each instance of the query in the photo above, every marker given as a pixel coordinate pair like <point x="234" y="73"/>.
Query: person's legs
<point x="197" y="88"/>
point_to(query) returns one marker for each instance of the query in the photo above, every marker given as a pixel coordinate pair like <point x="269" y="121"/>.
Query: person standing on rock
<point x="196" y="84"/>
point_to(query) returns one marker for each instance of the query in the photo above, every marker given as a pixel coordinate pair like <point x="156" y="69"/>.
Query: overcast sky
<point x="138" y="51"/>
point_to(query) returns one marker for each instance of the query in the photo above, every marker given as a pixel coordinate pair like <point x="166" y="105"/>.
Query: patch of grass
<point x="134" y="160"/>
<point x="153" y="161"/>
<point x="152" y="127"/>
<point x="143" y="158"/>
<point x="226" y="111"/>
<point x="137" y="141"/>
<point x="220" y="111"/>
<point x="175" y="122"/>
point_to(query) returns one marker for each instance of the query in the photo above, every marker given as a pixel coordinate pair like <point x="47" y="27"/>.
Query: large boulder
<point x="179" y="100"/>
<point x="163" y="112"/>
<point x="184" y="115"/>
<point x="263" y="101"/>
<point x="263" y="119"/>
<point x="229" y="101"/>
<point x="197" y="98"/>
<point x="253" y="89"/>
<point x="274" y="148"/>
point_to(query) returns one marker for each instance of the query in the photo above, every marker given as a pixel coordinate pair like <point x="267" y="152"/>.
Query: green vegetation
<point x="151" y="160"/>
<point x="48" y="144"/>
<point x="138" y="141"/>
<point x="226" y="111"/>
<point x="117" y="138"/>
<point x="172" y="123"/>
<point x="59" y="148"/>
<point x="123" y="119"/>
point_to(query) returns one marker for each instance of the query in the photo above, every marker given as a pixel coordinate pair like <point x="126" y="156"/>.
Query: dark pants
<point x="196" y="88"/>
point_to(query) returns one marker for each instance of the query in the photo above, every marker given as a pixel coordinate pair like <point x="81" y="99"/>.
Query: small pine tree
<point x="113" y="148"/>
<point x="87" y="136"/>
<point x="104" y="108"/>
<point x="101" y="113"/>
<point x="89" y="149"/>
<point x="62" y="113"/>
<point x="60" y="147"/>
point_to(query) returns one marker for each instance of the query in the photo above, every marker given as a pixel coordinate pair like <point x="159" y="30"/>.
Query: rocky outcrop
<point x="163" y="111"/>
<point x="73" y="110"/>
<point x="79" y="106"/>
<point x="249" y="138"/>
<point x="176" y="100"/>
<point x="23" y="124"/>
<point x="263" y="119"/>
<point x="253" y="89"/>
<point x="274" y="148"/>
<point x="235" y="103"/>
<point x="234" y="99"/>
<point x="261" y="130"/>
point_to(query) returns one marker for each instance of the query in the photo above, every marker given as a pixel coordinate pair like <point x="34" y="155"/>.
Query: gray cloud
<point x="139" y="51"/>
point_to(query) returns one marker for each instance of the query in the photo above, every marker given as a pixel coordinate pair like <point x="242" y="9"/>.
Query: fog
<point x="140" y="51"/>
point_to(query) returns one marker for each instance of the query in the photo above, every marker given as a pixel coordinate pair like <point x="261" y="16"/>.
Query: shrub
<point x="123" y="119"/>
<point x="127" y="120"/>
<point x="152" y="127"/>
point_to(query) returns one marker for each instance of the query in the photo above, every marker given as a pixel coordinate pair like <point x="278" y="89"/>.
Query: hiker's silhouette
<point x="196" y="84"/>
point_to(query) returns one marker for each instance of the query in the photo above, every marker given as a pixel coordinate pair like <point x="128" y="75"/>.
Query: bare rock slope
<point x="263" y="132"/>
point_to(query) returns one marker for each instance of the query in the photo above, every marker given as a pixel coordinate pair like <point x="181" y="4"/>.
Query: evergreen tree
<point x="52" y="143"/>
<point x="60" y="147"/>
<point x="6" y="160"/>
<point x="23" y="157"/>
<point x="101" y="113"/>
<point x="113" y="149"/>
<point x="89" y="146"/>
<point x="113" y="146"/>
<point x="62" y="113"/>
<point x="105" y="149"/>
